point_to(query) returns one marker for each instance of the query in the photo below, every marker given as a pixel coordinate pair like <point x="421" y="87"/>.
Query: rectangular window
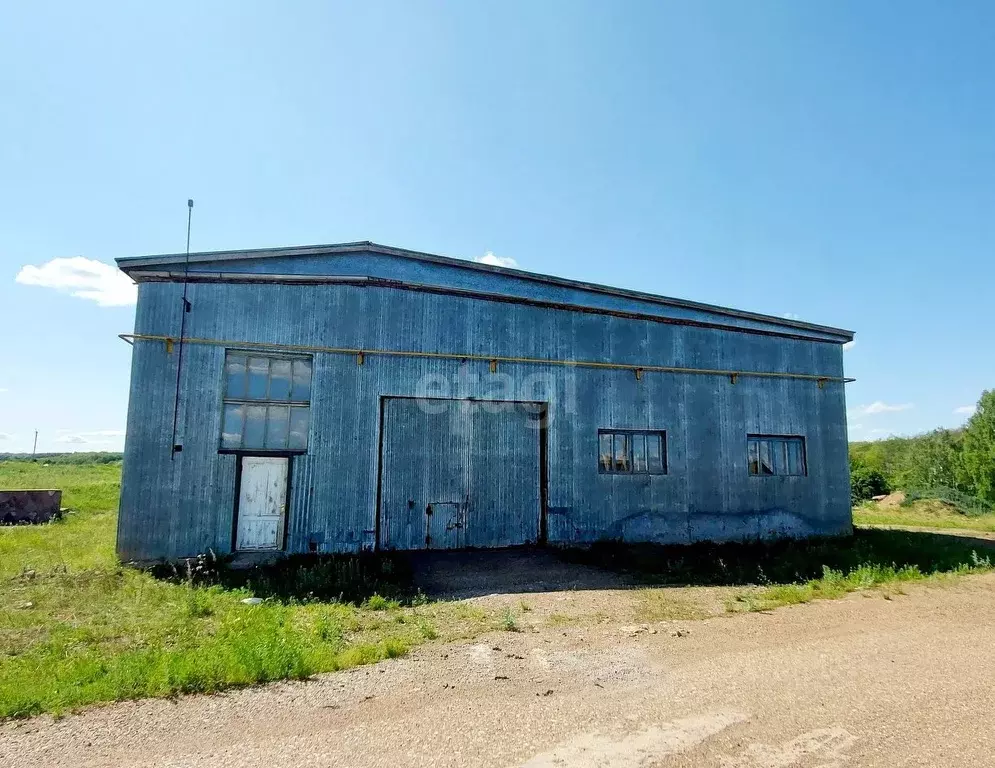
<point x="267" y="402"/>
<point x="768" y="455"/>
<point x="632" y="452"/>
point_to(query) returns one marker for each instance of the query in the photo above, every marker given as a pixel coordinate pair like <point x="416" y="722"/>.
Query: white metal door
<point x="262" y="502"/>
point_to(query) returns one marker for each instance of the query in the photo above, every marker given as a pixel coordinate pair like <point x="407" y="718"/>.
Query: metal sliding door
<point x="459" y="473"/>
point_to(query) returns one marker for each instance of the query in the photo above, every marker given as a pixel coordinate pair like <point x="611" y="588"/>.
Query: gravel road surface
<point x="864" y="681"/>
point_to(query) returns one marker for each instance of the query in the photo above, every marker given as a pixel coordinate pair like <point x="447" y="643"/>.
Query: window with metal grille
<point x="267" y="402"/>
<point x="632" y="451"/>
<point x="775" y="455"/>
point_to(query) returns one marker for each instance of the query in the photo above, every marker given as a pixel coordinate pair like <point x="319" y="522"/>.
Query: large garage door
<point x="459" y="473"/>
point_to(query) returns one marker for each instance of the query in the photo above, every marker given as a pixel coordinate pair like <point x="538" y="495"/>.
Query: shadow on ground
<point x="784" y="561"/>
<point x="606" y="565"/>
<point x="459" y="575"/>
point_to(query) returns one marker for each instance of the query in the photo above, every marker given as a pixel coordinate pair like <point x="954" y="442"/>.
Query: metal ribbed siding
<point x="184" y="506"/>
<point x="473" y="463"/>
<point x="364" y="264"/>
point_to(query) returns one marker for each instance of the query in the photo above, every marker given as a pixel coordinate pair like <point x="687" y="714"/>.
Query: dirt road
<point x="864" y="681"/>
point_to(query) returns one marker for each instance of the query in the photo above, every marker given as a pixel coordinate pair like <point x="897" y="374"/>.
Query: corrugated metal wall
<point x="183" y="505"/>
<point x="413" y="270"/>
<point x="459" y="473"/>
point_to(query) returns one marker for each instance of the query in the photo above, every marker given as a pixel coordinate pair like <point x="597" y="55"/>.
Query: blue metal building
<point x="357" y="396"/>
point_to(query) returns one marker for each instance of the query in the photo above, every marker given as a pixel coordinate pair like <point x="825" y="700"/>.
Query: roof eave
<point x="134" y="263"/>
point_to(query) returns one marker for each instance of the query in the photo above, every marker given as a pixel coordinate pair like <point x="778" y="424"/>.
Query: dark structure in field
<point x="18" y="507"/>
<point x="356" y="396"/>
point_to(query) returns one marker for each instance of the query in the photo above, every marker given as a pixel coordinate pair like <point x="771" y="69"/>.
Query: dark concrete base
<point x="24" y="507"/>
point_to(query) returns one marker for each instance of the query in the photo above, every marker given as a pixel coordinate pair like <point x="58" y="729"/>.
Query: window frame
<point x="631" y="470"/>
<point x="245" y="402"/>
<point x="777" y="452"/>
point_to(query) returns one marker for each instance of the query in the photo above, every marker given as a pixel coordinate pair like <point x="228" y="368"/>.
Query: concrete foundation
<point x="22" y="507"/>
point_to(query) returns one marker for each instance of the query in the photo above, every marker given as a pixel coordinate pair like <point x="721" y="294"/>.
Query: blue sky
<point x="833" y="161"/>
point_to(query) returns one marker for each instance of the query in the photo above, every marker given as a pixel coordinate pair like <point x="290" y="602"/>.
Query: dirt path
<point x="985" y="538"/>
<point x="864" y="681"/>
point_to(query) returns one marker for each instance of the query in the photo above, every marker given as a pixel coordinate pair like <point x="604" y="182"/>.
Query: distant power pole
<point x="34" y="448"/>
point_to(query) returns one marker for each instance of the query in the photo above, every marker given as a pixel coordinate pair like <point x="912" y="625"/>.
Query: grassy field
<point x="84" y="540"/>
<point x="924" y="513"/>
<point x="789" y="571"/>
<point x="77" y="628"/>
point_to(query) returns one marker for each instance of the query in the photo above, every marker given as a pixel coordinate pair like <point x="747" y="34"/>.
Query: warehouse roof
<point x="370" y="262"/>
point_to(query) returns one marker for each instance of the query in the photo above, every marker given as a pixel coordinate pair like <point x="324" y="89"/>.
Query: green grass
<point x="508" y="621"/>
<point x="662" y="605"/>
<point x="562" y="619"/>
<point x="84" y="539"/>
<point x="76" y="628"/>
<point x="923" y="513"/>
<point x="787" y="572"/>
<point x="959" y="501"/>
<point x="785" y="561"/>
<point x="834" y="584"/>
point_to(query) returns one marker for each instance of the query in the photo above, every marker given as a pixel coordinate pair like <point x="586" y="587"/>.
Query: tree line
<point x="957" y="465"/>
<point x="82" y="457"/>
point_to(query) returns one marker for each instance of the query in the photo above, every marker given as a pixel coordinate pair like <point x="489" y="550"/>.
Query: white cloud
<point x="95" y="437"/>
<point x="6" y="436"/>
<point x="849" y="345"/>
<point x="496" y="261"/>
<point x="879" y="407"/>
<point x="2" y="390"/>
<point x="967" y="410"/>
<point x="83" y="278"/>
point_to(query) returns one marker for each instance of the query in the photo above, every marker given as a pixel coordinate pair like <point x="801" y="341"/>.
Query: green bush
<point x="978" y="455"/>
<point x="866" y="483"/>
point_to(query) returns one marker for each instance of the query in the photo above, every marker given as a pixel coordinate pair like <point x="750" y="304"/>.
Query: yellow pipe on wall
<point x="360" y="354"/>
